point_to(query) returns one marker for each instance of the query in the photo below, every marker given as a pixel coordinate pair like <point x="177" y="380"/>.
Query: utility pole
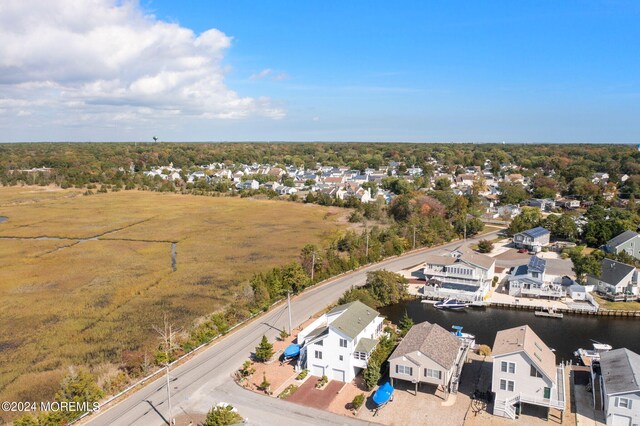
<point x="313" y="263"/>
<point x="289" y="309"/>
<point x="167" y="336"/>
<point x="366" y="253"/>
<point x="414" y="236"/>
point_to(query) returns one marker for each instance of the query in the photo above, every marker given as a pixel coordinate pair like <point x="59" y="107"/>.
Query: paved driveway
<point x="308" y="395"/>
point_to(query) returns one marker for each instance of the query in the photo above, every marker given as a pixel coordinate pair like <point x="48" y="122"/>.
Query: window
<point x="508" y="367"/>
<point x="403" y="369"/>
<point x="508" y="385"/>
<point x="535" y="372"/>
<point x="343" y="343"/>
<point x="436" y="374"/>
<point x="340" y="357"/>
<point x="318" y="354"/>
<point x="623" y="402"/>
<point x="360" y="355"/>
<point x="320" y="343"/>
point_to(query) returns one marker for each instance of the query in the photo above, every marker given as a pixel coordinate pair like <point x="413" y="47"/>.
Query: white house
<point x="532" y="239"/>
<point x="620" y="385"/>
<point x="463" y="274"/>
<point x="617" y="281"/>
<point x="530" y="280"/>
<point x="339" y="343"/>
<point x="525" y="372"/>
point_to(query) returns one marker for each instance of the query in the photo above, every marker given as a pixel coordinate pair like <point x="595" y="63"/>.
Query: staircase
<point x="507" y="406"/>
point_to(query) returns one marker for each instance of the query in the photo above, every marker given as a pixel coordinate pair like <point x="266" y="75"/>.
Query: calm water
<point x="564" y="335"/>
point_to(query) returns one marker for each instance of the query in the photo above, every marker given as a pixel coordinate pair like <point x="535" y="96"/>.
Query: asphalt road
<point x="205" y="380"/>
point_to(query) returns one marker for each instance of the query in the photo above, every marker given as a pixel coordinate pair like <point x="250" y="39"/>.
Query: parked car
<point x="523" y="250"/>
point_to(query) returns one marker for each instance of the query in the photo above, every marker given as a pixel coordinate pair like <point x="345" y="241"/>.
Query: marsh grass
<point x="65" y="303"/>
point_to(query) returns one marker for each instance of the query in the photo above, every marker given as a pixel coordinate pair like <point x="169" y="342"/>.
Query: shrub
<point x="289" y="390"/>
<point x="372" y="375"/>
<point x="484" y="350"/>
<point x="304" y="373"/>
<point x="485" y="246"/>
<point x="223" y="415"/>
<point x="264" y="351"/>
<point x="357" y="402"/>
<point x="323" y="381"/>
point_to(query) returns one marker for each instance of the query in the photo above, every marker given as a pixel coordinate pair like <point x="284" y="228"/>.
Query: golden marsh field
<point x="83" y="278"/>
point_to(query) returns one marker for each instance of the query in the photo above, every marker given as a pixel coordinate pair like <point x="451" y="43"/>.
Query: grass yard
<point x="106" y="278"/>
<point x="616" y="306"/>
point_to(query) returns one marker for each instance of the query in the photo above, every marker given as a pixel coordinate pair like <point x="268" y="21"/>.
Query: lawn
<point x="104" y="277"/>
<point x="616" y="306"/>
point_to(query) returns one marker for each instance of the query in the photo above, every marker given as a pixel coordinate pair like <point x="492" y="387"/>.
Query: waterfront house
<point x="620" y="386"/>
<point x="628" y="242"/>
<point x="530" y="280"/>
<point x="339" y="343"/>
<point x="462" y="274"/>
<point x="525" y="372"/>
<point x="532" y="239"/>
<point x="617" y="281"/>
<point x="428" y="354"/>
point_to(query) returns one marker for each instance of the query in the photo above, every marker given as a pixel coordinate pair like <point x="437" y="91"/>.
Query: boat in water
<point x="591" y="356"/>
<point x="549" y="313"/>
<point x="452" y="304"/>
<point x="463" y="336"/>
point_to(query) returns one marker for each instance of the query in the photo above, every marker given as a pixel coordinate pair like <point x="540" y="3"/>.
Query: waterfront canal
<point x="564" y="335"/>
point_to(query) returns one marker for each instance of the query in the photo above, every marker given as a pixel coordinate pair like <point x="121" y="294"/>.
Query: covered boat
<point x="590" y="356"/>
<point x="383" y="394"/>
<point x="292" y="351"/>
<point x="458" y="333"/>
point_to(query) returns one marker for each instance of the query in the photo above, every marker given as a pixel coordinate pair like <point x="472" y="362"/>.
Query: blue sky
<point x="488" y="71"/>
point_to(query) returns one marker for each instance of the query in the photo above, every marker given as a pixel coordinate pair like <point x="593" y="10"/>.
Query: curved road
<point x="205" y="379"/>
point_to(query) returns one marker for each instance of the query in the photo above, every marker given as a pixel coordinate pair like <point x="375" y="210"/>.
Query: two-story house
<point x="530" y="281"/>
<point x="532" y="239"/>
<point x="463" y="274"/>
<point x="628" y="242"/>
<point x="428" y="354"/>
<point x="525" y="372"/>
<point x="617" y="281"/>
<point x="339" y="343"/>
<point x="620" y="385"/>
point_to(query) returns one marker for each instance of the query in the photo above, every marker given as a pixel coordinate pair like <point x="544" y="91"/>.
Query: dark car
<point x="523" y="250"/>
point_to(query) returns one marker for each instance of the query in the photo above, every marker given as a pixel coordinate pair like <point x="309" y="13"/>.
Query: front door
<point x="547" y="393"/>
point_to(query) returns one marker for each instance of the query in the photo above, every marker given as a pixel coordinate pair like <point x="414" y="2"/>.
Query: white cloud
<point x="268" y="72"/>
<point x="260" y="75"/>
<point x="67" y="62"/>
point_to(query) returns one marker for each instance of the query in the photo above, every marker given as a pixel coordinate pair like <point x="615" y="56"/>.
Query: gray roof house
<point x="617" y="281"/>
<point x="339" y="343"/>
<point x="532" y="239"/>
<point x="628" y="242"/>
<point x="428" y="354"/>
<point x="529" y="281"/>
<point x="524" y="371"/>
<point x="620" y="384"/>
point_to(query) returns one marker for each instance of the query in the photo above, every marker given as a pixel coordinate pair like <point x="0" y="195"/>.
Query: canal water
<point x="564" y="335"/>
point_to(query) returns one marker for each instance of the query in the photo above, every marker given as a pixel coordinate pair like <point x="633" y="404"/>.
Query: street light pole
<point x="289" y="309"/>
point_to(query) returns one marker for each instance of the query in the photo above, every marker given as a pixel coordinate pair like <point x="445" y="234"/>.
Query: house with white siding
<point x="525" y="372"/>
<point x="620" y="387"/>
<point x="340" y="342"/>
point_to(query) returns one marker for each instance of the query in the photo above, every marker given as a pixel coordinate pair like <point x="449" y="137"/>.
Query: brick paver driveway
<point x="308" y="395"/>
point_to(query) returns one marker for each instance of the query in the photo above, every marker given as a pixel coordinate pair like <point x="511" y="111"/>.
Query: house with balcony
<point x="530" y="280"/>
<point x="525" y="372"/>
<point x="340" y="342"/>
<point x="628" y="242"/>
<point x="532" y="239"/>
<point x="428" y="354"/>
<point x="620" y="386"/>
<point x="463" y="274"/>
<point x="617" y="281"/>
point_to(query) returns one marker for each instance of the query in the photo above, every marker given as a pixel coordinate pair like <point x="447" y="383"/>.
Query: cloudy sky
<point x="109" y="70"/>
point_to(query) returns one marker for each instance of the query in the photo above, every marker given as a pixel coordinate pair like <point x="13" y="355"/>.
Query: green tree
<point x="584" y="265"/>
<point x="485" y="246"/>
<point x="530" y="217"/>
<point x="372" y="375"/>
<point x="512" y="193"/>
<point x="294" y="278"/>
<point x="361" y="294"/>
<point x="400" y="208"/>
<point x="405" y="323"/>
<point x="223" y="415"/>
<point x="565" y="228"/>
<point x="264" y="351"/>
<point x="387" y="287"/>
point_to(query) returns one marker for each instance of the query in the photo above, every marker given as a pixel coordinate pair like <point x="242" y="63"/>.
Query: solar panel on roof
<point x="536" y="232"/>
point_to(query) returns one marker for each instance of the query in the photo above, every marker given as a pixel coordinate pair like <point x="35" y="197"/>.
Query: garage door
<point x="621" y="420"/>
<point x="338" y="375"/>
<point x="317" y="370"/>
